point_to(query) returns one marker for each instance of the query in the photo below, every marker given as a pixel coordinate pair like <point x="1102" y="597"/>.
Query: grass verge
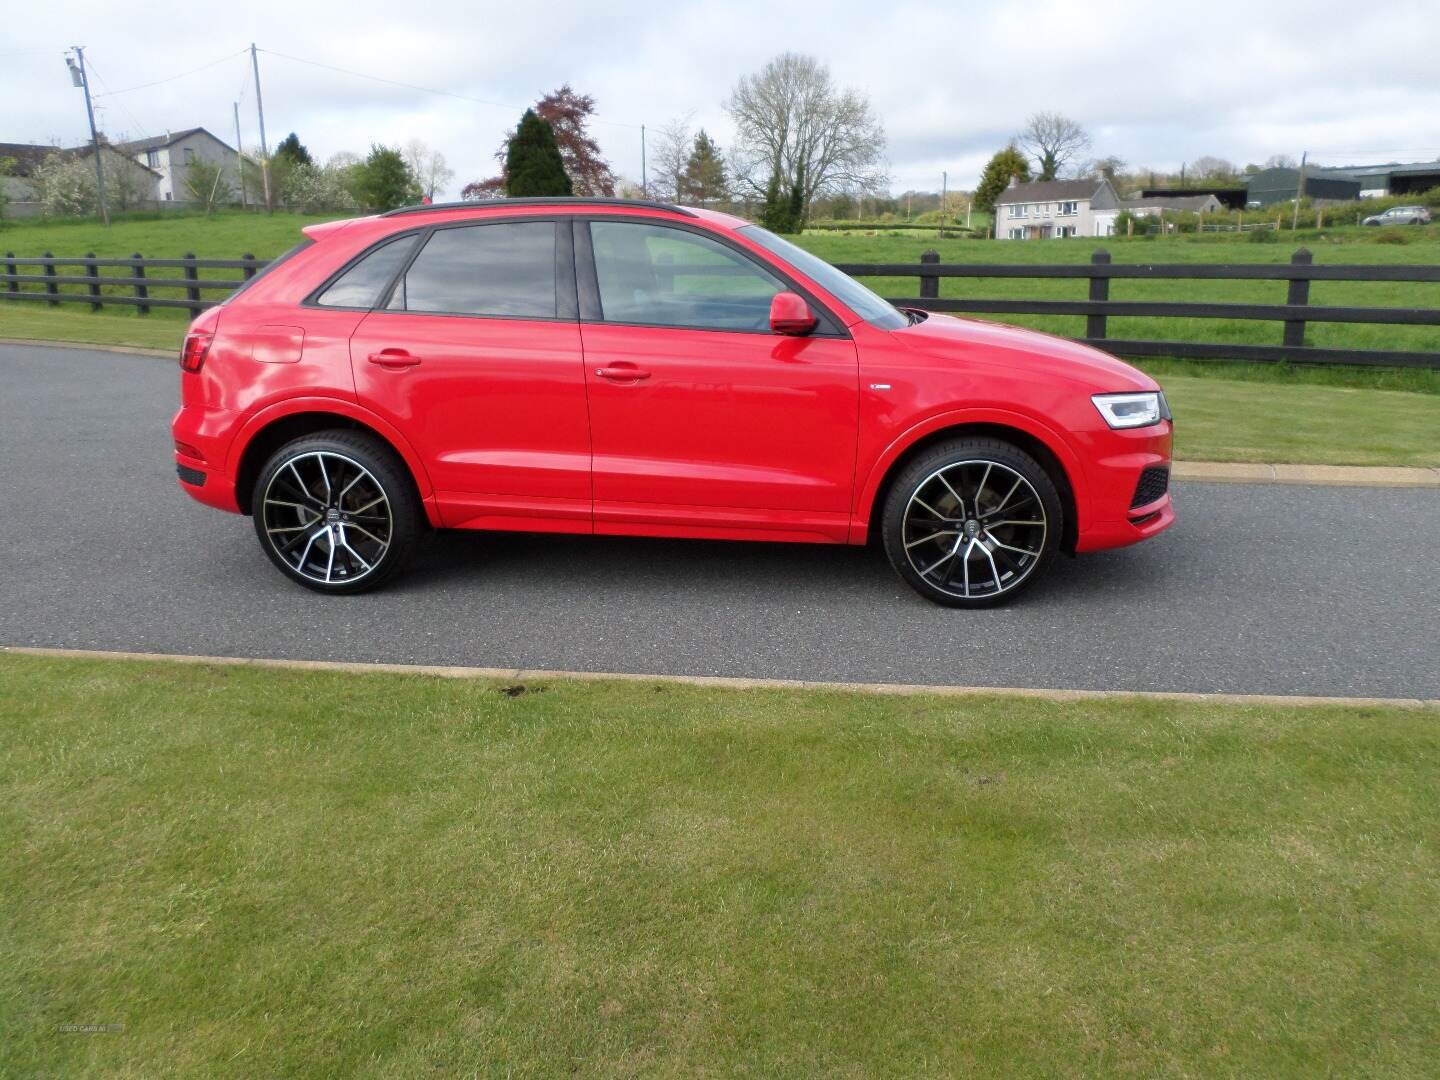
<point x="259" y="872"/>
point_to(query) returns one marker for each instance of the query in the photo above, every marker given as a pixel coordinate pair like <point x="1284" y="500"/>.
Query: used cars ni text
<point x="633" y="368"/>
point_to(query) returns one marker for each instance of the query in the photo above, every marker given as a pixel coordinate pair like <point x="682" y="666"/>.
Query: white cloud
<point x="1156" y="86"/>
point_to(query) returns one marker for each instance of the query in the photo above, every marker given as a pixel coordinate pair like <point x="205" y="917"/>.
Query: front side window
<point x="189" y="156"/>
<point x="659" y="276"/>
<point x="870" y="307"/>
<point x="361" y="285"/>
<point x="505" y="269"/>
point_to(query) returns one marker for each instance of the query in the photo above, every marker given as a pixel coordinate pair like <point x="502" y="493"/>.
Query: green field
<point x="259" y="873"/>
<point x="1227" y="412"/>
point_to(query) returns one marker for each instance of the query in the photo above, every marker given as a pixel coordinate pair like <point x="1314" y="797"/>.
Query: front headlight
<point x="1132" y="410"/>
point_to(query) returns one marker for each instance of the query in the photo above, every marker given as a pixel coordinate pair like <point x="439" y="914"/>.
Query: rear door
<point x="475" y="355"/>
<point x="703" y="421"/>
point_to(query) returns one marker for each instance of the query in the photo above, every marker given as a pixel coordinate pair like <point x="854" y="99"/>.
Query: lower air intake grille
<point x="1153" y="484"/>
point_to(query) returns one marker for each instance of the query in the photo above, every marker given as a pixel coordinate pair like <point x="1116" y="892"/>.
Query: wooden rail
<point x="137" y="282"/>
<point x="133" y="288"/>
<point x="1293" y="315"/>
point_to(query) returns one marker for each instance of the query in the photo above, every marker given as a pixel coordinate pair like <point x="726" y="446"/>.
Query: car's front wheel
<point x="972" y="522"/>
<point x="336" y="511"/>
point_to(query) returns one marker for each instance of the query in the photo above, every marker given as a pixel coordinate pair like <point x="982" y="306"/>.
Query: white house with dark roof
<point x="1055" y="209"/>
<point x="170" y="154"/>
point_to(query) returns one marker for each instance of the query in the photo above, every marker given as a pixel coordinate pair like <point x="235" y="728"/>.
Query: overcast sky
<point x="1156" y="84"/>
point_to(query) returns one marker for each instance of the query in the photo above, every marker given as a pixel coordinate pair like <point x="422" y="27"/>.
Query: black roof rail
<point x="549" y="200"/>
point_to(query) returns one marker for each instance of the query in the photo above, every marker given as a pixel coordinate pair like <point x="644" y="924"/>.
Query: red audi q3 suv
<point x="635" y="368"/>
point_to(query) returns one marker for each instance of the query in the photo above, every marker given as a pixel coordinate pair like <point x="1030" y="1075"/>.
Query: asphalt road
<point x="1262" y="589"/>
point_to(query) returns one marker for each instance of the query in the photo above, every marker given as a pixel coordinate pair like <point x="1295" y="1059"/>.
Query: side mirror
<point x="789" y="314"/>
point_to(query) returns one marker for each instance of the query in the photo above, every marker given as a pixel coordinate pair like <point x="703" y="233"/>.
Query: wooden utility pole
<point x="1299" y="191"/>
<point x="240" y="155"/>
<point x="82" y="80"/>
<point x="260" y="110"/>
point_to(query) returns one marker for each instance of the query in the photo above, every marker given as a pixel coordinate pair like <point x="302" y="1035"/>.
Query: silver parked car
<point x="1401" y="215"/>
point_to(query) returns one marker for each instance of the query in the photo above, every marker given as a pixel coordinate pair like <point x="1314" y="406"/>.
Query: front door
<point x="476" y="357"/>
<point x="703" y="421"/>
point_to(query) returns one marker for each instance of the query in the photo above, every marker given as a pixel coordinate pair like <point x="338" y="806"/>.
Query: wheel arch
<point x="272" y="428"/>
<point x="1061" y="465"/>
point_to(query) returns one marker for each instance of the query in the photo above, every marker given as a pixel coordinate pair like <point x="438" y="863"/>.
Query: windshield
<point x="847" y="290"/>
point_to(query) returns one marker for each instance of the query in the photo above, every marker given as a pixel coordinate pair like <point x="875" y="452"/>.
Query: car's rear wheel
<point x="336" y="511"/>
<point x="972" y="522"/>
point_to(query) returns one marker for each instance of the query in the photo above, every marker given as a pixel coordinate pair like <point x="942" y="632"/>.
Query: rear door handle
<point x="393" y="358"/>
<point x="622" y="373"/>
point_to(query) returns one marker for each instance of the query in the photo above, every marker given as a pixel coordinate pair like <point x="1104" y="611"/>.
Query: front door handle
<point x="393" y="358"/>
<point x="622" y="373"/>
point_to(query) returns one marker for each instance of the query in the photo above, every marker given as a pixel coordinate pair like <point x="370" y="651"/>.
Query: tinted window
<point x="668" y="277"/>
<point x="360" y="286"/>
<point x="847" y="290"/>
<point x="503" y="269"/>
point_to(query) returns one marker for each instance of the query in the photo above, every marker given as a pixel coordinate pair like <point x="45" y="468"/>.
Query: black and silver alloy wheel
<point x="327" y="517"/>
<point x="972" y="522"/>
<point x="335" y="512"/>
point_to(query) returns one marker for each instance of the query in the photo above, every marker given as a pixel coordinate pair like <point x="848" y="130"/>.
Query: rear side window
<point x="361" y="285"/>
<point x="504" y="269"/>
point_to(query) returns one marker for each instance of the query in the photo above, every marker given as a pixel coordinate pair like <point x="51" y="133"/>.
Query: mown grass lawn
<point x="258" y="872"/>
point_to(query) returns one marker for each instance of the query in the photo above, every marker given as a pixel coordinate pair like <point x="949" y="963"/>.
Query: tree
<point x="669" y="158"/>
<point x="429" y="168"/>
<point x="1007" y="164"/>
<point x="1106" y="168"/>
<point x="7" y="166"/>
<point x="205" y="183"/>
<point x="533" y="165"/>
<point x="795" y="212"/>
<point x="293" y="150"/>
<point x="703" y="179"/>
<point x="383" y="181"/>
<point x="791" y="120"/>
<point x="1054" y="141"/>
<point x="567" y="113"/>
<point x="1212" y="168"/>
<point x="775" y="214"/>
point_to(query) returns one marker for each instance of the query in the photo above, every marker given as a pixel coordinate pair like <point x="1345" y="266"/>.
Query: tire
<point x="942" y="529"/>
<point x="337" y="511"/>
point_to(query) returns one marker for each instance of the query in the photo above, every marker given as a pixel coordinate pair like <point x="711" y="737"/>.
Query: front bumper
<point x="1110" y="518"/>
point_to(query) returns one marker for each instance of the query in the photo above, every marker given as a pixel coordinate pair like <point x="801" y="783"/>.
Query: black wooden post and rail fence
<point x="129" y="282"/>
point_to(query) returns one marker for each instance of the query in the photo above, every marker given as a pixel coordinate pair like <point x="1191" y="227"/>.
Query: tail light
<point x="196" y="348"/>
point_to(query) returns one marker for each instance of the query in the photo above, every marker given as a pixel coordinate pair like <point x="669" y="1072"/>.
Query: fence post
<point x="50" y="285"/>
<point x="1299" y="295"/>
<point x="92" y="272"/>
<point x="248" y="270"/>
<point x="142" y="291"/>
<point x="12" y="270"/>
<point x="1099" y="290"/>
<point x="929" y="283"/>
<point x="192" y="292"/>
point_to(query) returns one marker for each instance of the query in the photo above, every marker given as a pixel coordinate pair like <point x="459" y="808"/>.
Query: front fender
<point x="1051" y="438"/>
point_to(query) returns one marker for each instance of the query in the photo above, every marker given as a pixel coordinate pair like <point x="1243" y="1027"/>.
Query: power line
<point x="430" y="89"/>
<point x="140" y="129"/>
<point x="172" y="78"/>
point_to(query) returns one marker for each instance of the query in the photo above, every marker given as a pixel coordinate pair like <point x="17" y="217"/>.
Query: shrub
<point x="1263" y="236"/>
<point x="64" y="186"/>
<point x="1391" y="236"/>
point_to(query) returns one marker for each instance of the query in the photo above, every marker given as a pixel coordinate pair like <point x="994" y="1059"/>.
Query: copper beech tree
<point x="568" y="113"/>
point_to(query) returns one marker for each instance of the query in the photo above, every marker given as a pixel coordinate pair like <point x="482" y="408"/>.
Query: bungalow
<point x="171" y="154"/>
<point x="1054" y="209"/>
